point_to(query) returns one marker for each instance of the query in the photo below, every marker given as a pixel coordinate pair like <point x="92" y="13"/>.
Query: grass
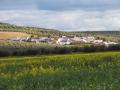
<point x="9" y="35"/>
<point x="84" y="71"/>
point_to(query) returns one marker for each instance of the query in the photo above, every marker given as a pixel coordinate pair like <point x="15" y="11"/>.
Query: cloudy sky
<point x="67" y="15"/>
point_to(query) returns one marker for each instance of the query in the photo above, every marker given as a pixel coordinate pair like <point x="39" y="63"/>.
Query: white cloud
<point x="65" y="20"/>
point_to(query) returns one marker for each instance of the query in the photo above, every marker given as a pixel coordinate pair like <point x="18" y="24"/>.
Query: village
<point x="64" y="40"/>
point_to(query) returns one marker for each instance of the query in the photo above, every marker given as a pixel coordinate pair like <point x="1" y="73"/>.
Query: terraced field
<point x="81" y="71"/>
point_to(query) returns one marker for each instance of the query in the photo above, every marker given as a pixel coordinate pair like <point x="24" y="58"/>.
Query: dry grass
<point x="8" y="35"/>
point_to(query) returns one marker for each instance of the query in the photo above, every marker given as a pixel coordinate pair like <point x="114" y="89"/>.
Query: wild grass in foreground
<point x="88" y="71"/>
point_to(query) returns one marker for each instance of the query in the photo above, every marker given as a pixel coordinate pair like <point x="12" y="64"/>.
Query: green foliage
<point x="85" y="71"/>
<point x="26" y="48"/>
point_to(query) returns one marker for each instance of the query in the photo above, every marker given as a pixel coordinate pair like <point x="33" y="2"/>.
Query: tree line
<point x="55" y="50"/>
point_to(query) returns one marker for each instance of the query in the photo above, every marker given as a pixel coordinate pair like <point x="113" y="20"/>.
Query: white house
<point x="34" y="40"/>
<point x="88" y="39"/>
<point x="110" y="43"/>
<point x="19" y="39"/>
<point x="98" y="42"/>
<point x="78" y="39"/>
<point x="42" y="39"/>
<point x="64" y="41"/>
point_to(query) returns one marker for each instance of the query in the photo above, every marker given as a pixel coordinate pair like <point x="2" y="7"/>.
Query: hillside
<point x="108" y="35"/>
<point x="29" y="30"/>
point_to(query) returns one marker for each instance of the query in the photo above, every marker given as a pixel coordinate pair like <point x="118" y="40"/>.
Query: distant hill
<point x="103" y="32"/>
<point x="108" y="35"/>
<point x="5" y="27"/>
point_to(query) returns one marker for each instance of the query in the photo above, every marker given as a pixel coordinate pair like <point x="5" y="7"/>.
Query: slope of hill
<point x="103" y="32"/>
<point x="108" y="35"/>
<point x="4" y="27"/>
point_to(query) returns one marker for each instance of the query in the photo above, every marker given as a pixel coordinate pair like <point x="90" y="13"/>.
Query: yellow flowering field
<point x="77" y="71"/>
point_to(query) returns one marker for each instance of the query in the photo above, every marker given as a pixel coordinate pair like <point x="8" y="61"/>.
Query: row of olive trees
<point x="15" y="51"/>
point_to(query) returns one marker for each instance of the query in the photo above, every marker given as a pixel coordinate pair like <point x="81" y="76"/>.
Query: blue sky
<point x="74" y="15"/>
<point x="59" y="4"/>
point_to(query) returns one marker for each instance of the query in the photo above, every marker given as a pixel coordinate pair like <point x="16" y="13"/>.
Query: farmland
<point x="76" y="71"/>
<point x="8" y="35"/>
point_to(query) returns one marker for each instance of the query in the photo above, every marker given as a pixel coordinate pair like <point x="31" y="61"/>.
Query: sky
<point x="64" y="15"/>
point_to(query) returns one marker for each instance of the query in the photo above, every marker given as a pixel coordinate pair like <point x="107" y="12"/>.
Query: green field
<point x="80" y="71"/>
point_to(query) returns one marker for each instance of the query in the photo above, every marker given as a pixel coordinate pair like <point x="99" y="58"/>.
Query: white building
<point x="88" y="39"/>
<point x="36" y="40"/>
<point x="77" y="39"/>
<point x="110" y="43"/>
<point x="20" y="39"/>
<point x="42" y="39"/>
<point x="64" y="41"/>
<point x="98" y="42"/>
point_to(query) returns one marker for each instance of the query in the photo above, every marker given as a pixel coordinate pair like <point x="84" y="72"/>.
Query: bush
<point x="24" y="49"/>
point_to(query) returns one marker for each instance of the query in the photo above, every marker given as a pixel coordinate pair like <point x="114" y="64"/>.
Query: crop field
<point x="77" y="71"/>
<point x="9" y="35"/>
